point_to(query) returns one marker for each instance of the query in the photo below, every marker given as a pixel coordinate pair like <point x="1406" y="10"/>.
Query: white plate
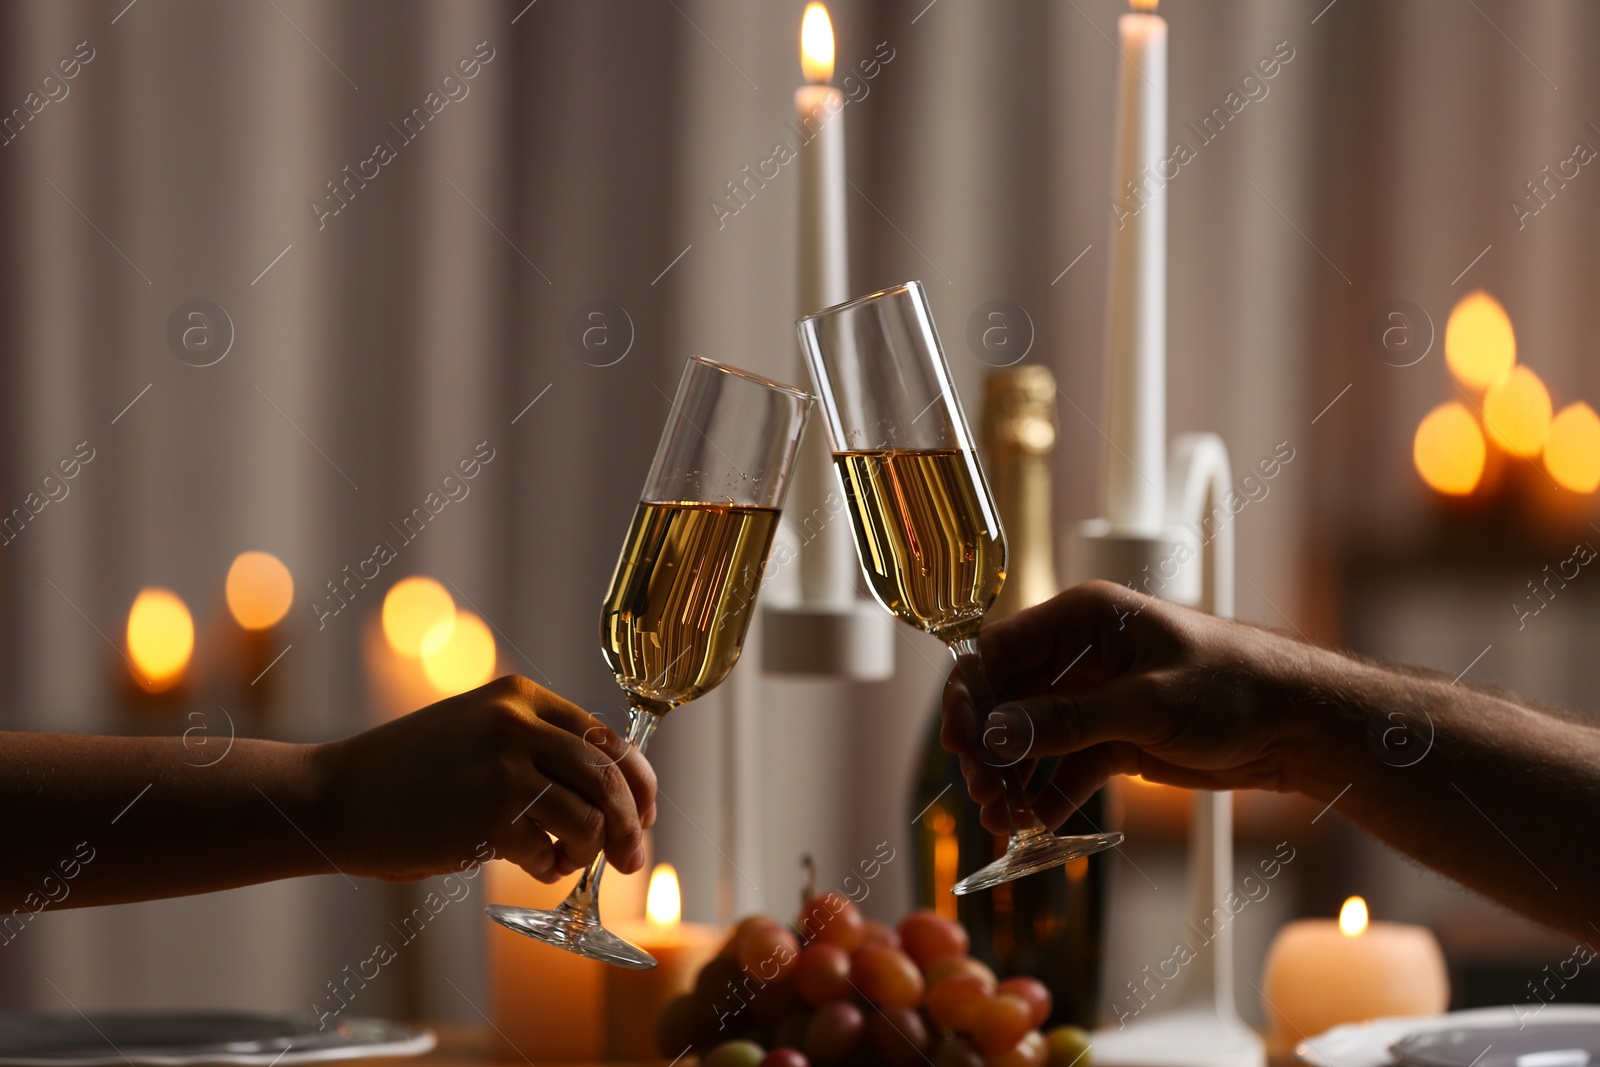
<point x="1367" y="1044"/>
<point x="181" y="1039"/>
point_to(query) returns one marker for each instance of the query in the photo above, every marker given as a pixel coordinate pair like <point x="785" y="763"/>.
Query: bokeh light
<point x="1572" y="451"/>
<point x="1516" y="412"/>
<point x="160" y="637"/>
<point x="1449" y="450"/>
<point x="260" y="590"/>
<point x="458" y="655"/>
<point x="412" y="610"/>
<point x="1479" y="344"/>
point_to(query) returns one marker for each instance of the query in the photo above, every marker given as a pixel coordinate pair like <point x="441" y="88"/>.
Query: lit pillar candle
<point x="827" y="562"/>
<point x="1136" y="405"/>
<point x="634" y="999"/>
<point x="1321" y="974"/>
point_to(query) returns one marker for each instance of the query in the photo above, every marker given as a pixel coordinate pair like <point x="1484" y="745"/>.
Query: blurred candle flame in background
<point x="160" y="637"/>
<point x="1353" y="917"/>
<point x="1479" y="344"/>
<point x="1449" y="450"/>
<point x="1516" y="412"/>
<point x="816" y="44"/>
<point x="1572" y="448"/>
<point x="260" y="590"/>
<point x="458" y="654"/>
<point x="663" y="903"/>
<point x="412" y="610"/>
<point x="1143" y="5"/>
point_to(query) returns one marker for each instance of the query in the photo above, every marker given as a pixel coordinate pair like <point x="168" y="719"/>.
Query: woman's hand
<point x="1116" y="682"/>
<point x="511" y="764"/>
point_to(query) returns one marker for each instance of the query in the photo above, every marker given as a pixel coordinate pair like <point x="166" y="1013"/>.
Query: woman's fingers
<point x="612" y="747"/>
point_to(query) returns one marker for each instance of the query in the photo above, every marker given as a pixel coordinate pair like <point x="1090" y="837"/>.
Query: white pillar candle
<point x="827" y="555"/>
<point x="1322" y="973"/>
<point x="1136" y="406"/>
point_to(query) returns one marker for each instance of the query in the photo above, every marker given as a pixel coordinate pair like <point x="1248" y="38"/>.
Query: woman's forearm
<point x="97" y="820"/>
<point x="1498" y="796"/>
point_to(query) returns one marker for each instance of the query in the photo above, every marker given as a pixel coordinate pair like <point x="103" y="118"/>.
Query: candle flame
<point x="663" y="905"/>
<point x="160" y="638"/>
<point x="816" y="44"/>
<point x="1143" y="5"/>
<point x="1353" y="917"/>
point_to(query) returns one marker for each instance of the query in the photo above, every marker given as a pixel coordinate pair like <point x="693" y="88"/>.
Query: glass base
<point x="1031" y="852"/>
<point x="568" y="929"/>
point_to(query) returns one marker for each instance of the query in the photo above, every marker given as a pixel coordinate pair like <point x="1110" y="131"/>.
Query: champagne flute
<point x="685" y="585"/>
<point x="926" y="531"/>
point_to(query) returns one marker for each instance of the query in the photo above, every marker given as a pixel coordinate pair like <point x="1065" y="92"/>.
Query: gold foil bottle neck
<point x="1019" y="410"/>
<point x="1019" y="434"/>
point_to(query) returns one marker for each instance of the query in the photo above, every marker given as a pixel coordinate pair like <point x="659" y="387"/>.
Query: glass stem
<point x="584" y="900"/>
<point x="1025" y="823"/>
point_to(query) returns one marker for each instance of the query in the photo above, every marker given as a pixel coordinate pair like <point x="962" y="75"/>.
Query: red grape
<point x="831" y="917"/>
<point x="1033" y="991"/>
<point x="716" y="978"/>
<point x="785" y="1057"/>
<point x="954" y="1052"/>
<point x="822" y="973"/>
<point x="834" y="1033"/>
<point x="928" y="938"/>
<point x="740" y="930"/>
<point x="1001" y="1023"/>
<point x="956" y="1002"/>
<point x="886" y="976"/>
<point x="898" y="1037"/>
<point x="767" y="951"/>
<point x="775" y="1003"/>
<point x="877" y="933"/>
<point x="682" y="1023"/>
<point x="939" y="970"/>
<point x="1029" y="1052"/>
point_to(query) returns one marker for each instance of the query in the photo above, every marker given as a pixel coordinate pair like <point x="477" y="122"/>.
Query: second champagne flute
<point x="685" y="586"/>
<point x="926" y="530"/>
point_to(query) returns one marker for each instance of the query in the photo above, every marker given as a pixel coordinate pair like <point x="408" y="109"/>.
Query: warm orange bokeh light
<point x="1143" y="5"/>
<point x="1516" y="412"/>
<point x="260" y="590"/>
<point x="1353" y="917"/>
<point x="160" y="637"/>
<point x="1449" y="450"/>
<point x="1572" y="451"/>
<point x="816" y="44"/>
<point x="1479" y="344"/>
<point x="458" y="654"/>
<point x="411" y="610"/>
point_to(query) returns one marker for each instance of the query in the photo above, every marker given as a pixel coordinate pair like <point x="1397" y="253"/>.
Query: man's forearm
<point x="1494" y="794"/>
<point x="99" y="820"/>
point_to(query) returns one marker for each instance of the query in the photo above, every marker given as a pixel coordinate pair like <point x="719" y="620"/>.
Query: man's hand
<point x="1116" y="682"/>
<point x="539" y="779"/>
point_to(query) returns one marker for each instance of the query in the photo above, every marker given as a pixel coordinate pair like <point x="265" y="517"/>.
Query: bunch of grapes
<point x="848" y="991"/>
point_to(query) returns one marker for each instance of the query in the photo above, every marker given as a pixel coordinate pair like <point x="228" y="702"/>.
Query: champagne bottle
<point x="1049" y="925"/>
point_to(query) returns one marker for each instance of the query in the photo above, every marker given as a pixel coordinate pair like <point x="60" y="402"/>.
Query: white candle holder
<point x="1201" y="1027"/>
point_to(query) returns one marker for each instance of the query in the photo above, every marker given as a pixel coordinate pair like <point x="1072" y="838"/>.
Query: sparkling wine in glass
<point x="685" y="586"/>
<point x="926" y="531"/>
